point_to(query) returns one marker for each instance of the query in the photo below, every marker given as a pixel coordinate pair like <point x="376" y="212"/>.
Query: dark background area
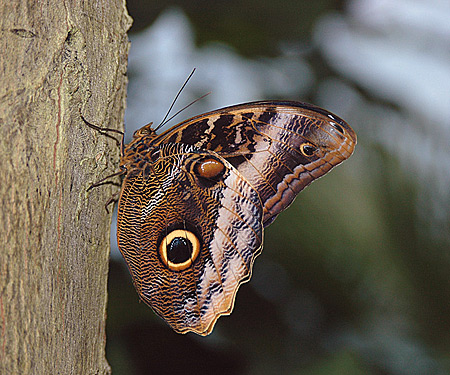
<point x="354" y="276"/>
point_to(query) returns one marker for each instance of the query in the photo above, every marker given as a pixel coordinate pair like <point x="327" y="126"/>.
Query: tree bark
<point x="59" y="60"/>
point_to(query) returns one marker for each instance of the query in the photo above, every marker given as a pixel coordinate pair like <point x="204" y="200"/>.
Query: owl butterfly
<point x="195" y="200"/>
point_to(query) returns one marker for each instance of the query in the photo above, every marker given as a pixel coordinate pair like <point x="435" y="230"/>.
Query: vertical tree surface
<point x="58" y="60"/>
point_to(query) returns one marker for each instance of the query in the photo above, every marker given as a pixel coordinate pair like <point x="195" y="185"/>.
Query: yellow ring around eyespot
<point x="302" y="149"/>
<point x="183" y="233"/>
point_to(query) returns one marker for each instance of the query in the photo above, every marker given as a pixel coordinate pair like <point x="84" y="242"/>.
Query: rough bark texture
<point x="59" y="58"/>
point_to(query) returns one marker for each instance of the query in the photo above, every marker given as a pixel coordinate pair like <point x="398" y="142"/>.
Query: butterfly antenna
<point x="181" y="110"/>
<point x="176" y="97"/>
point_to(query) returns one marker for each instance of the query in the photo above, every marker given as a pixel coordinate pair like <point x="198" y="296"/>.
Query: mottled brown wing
<point x="166" y="205"/>
<point x="279" y="147"/>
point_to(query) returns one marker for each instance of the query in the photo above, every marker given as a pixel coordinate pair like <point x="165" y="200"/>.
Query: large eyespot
<point x="179" y="249"/>
<point x="208" y="171"/>
<point x="308" y="149"/>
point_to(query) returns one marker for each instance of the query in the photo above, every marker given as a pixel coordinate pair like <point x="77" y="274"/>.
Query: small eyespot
<point x="209" y="168"/>
<point x="308" y="149"/>
<point x="179" y="249"/>
<point x="208" y="171"/>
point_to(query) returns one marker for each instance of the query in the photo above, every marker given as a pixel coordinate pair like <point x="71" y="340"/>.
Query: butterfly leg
<point x="103" y="180"/>
<point x="105" y="130"/>
<point x="113" y="199"/>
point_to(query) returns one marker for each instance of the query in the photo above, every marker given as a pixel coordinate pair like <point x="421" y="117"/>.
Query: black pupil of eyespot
<point x="308" y="150"/>
<point x="179" y="250"/>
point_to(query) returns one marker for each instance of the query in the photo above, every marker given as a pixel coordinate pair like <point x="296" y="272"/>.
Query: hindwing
<point x="223" y="212"/>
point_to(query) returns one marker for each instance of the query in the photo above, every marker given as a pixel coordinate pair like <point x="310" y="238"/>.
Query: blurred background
<point x="354" y="277"/>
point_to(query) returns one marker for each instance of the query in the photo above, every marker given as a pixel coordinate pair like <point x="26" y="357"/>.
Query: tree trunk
<point x="59" y="60"/>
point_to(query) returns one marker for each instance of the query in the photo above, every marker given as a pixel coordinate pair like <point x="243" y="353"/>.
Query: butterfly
<point x="196" y="198"/>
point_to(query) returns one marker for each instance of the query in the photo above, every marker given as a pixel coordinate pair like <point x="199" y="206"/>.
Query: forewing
<point x="265" y="142"/>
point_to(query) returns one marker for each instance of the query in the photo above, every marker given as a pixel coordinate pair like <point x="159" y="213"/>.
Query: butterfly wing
<point x="189" y="227"/>
<point x="279" y="147"/>
<point x="195" y="199"/>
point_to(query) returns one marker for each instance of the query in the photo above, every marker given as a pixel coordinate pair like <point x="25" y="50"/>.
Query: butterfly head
<point x="145" y="131"/>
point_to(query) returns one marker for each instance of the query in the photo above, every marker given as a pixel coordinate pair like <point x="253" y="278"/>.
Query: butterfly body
<point x="195" y="199"/>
